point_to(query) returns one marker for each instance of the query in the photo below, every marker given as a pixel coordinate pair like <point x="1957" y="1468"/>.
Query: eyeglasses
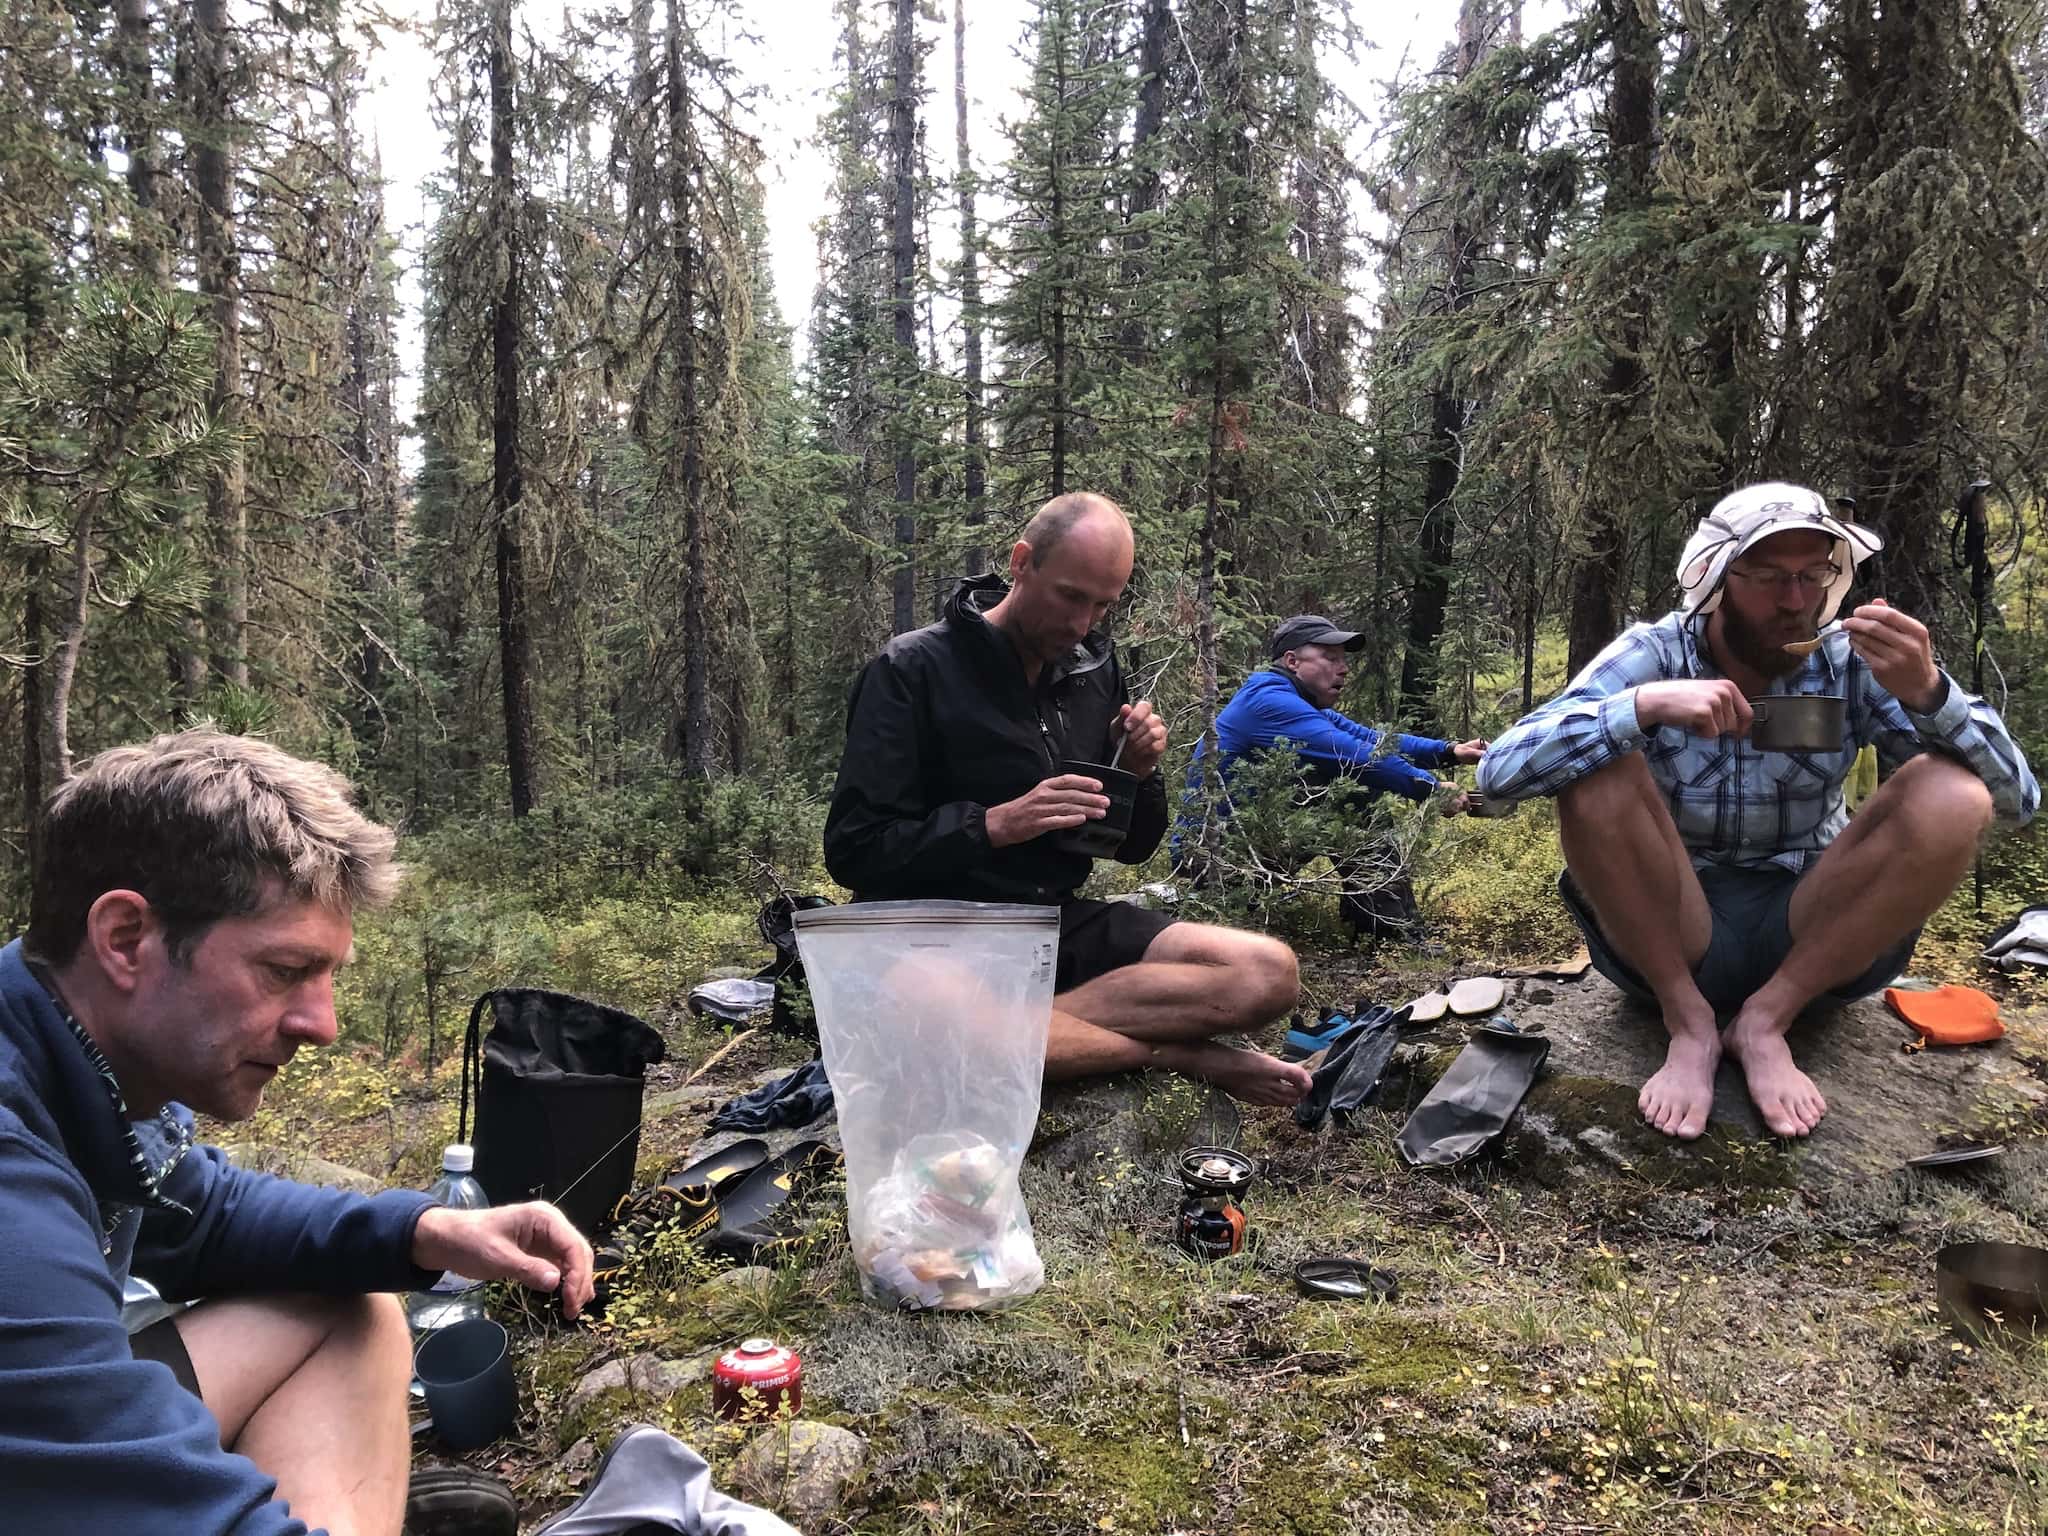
<point x="1815" y="578"/>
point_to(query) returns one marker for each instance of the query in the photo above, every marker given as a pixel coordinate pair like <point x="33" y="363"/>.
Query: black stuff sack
<point x="776" y="922"/>
<point x="558" y="1082"/>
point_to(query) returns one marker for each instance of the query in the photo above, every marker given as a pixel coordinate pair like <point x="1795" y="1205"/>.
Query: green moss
<point x="1386" y="1349"/>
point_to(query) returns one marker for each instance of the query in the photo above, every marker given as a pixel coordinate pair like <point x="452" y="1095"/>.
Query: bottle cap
<point x="459" y="1158"/>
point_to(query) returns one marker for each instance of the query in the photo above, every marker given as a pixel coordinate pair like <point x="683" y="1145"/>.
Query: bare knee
<point x="1270" y="978"/>
<point x="1944" y="797"/>
<point x="1627" y="777"/>
<point x="373" y="1327"/>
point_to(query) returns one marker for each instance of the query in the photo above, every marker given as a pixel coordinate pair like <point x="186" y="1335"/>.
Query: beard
<point x="1753" y="648"/>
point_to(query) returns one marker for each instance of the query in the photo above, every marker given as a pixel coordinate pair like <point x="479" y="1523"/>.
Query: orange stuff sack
<point x="1948" y="1015"/>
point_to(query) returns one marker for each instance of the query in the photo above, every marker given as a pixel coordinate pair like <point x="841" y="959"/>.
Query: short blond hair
<point x="203" y="825"/>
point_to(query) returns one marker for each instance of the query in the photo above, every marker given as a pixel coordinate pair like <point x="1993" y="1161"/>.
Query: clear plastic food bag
<point x="932" y="1018"/>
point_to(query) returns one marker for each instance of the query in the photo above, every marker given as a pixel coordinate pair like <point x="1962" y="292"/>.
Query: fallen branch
<point x="720" y="1054"/>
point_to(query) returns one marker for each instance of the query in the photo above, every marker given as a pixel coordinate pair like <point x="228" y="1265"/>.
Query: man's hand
<point x="533" y="1243"/>
<point x="1053" y="804"/>
<point x="1900" y="654"/>
<point x="1697" y="706"/>
<point x="1144" y="738"/>
<point x="1469" y="751"/>
<point x="1451" y="799"/>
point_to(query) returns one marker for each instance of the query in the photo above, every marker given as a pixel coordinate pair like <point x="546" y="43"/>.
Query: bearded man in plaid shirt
<point x="1723" y="882"/>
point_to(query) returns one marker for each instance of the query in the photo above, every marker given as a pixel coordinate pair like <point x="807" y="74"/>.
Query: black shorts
<point x="162" y="1342"/>
<point x="1101" y="936"/>
<point x="1752" y="935"/>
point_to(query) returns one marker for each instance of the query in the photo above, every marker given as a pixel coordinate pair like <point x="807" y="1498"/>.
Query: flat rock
<point x="802" y="1468"/>
<point x="746" y="1278"/>
<point x="1884" y="1104"/>
<point x="678" y="1100"/>
<point x="645" y="1375"/>
<point x="304" y="1168"/>
<point x="1136" y="1118"/>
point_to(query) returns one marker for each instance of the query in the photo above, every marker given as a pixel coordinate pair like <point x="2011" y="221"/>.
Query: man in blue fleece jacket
<point x="1291" y="699"/>
<point x="192" y="899"/>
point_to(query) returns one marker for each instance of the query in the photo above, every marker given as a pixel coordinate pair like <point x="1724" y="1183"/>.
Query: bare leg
<point x="312" y="1389"/>
<point x="1195" y="982"/>
<point x="1902" y="854"/>
<point x="1626" y="857"/>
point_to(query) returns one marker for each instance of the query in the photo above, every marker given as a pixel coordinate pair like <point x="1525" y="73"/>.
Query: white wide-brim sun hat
<point x="1744" y="518"/>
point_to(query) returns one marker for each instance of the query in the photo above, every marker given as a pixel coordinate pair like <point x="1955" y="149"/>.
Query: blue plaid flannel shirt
<point x="1732" y="803"/>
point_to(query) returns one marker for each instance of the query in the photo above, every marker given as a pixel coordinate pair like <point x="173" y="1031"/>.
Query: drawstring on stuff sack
<point x="472" y="1061"/>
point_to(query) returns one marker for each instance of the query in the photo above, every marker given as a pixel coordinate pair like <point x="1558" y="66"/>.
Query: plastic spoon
<point x="1123" y="735"/>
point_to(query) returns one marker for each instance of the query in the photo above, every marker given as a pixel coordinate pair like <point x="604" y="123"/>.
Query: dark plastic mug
<point x="1101" y="839"/>
<point x="466" y="1369"/>
<point x="1797" y="722"/>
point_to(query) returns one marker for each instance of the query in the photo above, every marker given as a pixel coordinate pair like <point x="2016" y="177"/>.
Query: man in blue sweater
<point x="192" y="901"/>
<point x="1291" y="699"/>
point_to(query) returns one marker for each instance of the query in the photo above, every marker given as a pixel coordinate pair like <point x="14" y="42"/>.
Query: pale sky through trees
<point x="793" y="60"/>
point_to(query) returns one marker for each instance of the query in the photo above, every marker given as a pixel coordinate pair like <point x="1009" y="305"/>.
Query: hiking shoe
<point x="455" y="1501"/>
<point x="1306" y="1040"/>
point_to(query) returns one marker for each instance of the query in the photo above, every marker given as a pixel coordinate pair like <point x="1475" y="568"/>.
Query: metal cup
<point x="466" y="1369"/>
<point x="1797" y="722"/>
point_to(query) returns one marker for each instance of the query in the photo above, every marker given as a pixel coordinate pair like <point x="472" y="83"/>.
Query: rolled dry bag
<point x="558" y="1082"/>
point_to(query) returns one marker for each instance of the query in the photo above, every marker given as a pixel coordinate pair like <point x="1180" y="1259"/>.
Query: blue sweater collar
<point x="123" y="1160"/>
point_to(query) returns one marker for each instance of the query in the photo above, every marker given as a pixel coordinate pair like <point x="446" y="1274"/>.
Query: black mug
<point x="1100" y="839"/>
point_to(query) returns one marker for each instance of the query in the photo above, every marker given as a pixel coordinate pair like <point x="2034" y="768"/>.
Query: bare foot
<point x="1680" y="1097"/>
<point x="1784" y="1095"/>
<point x="1252" y="1076"/>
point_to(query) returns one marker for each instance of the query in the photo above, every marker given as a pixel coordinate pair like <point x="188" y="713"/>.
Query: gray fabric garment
<point x="650" y="1482"/>
<point x="732" y="999"/>
<point x="2024" y="942"/>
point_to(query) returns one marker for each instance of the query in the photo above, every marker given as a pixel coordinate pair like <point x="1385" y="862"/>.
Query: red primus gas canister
<point x="755" y="1380"/>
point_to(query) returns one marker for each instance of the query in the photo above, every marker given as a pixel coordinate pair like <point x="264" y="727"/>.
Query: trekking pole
<point x="1974" y="555"/>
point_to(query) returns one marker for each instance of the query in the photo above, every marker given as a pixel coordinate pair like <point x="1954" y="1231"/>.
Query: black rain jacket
<point x="941" y="726"/>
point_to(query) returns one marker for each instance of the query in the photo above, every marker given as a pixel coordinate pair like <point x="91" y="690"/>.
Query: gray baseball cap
<point x="1311" y="629"/>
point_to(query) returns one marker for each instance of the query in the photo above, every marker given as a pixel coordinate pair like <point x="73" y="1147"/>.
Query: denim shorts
<point x="1752" y="935"/>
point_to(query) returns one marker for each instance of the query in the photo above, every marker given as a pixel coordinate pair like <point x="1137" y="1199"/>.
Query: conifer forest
<point x="607" y="515"/>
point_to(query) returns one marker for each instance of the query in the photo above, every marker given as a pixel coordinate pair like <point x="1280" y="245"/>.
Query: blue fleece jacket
<point x="1271" y="706"/>
<point x="92" y="1440"/>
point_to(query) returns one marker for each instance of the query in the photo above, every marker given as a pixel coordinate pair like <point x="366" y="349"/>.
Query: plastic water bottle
<point x="453" y="1298"/>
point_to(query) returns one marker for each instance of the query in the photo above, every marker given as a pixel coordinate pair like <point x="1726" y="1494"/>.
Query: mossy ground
<point x="1643" y="1345"/>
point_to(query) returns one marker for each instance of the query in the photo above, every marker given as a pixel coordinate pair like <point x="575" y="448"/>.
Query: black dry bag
<point x="558" y="1083"/>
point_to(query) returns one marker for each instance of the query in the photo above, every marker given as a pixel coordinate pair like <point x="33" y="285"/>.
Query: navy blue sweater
<point x="92" y="1440"/>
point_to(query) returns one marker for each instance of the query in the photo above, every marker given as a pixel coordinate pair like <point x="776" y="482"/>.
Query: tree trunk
<point x="507" y="486"/>
<point x="72" y="645"/>
<point x="903" y="257"/>
<point x="1430" y="591"/>
<point x="975" y="469"/>
<point x="220" y="279"/>
<point x="1600" y="577"/>
<point x="686" y="435"/>
<point x="34" y="737"/>
<point x="1436" y="541"/>
<point x="138" y="138"/>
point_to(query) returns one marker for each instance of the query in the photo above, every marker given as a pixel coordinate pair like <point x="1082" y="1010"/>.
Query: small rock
<point x="655" y="1377"/>
<point x="648" y="1375"/>
<point x="577" y="1464"/>
<point x="746" y="1278"/>
<point x="609" y="1377"/>
<point x="802" y="1468"/>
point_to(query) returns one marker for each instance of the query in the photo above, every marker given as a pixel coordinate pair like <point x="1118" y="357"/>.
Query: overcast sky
<point x="793" y="59"/>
